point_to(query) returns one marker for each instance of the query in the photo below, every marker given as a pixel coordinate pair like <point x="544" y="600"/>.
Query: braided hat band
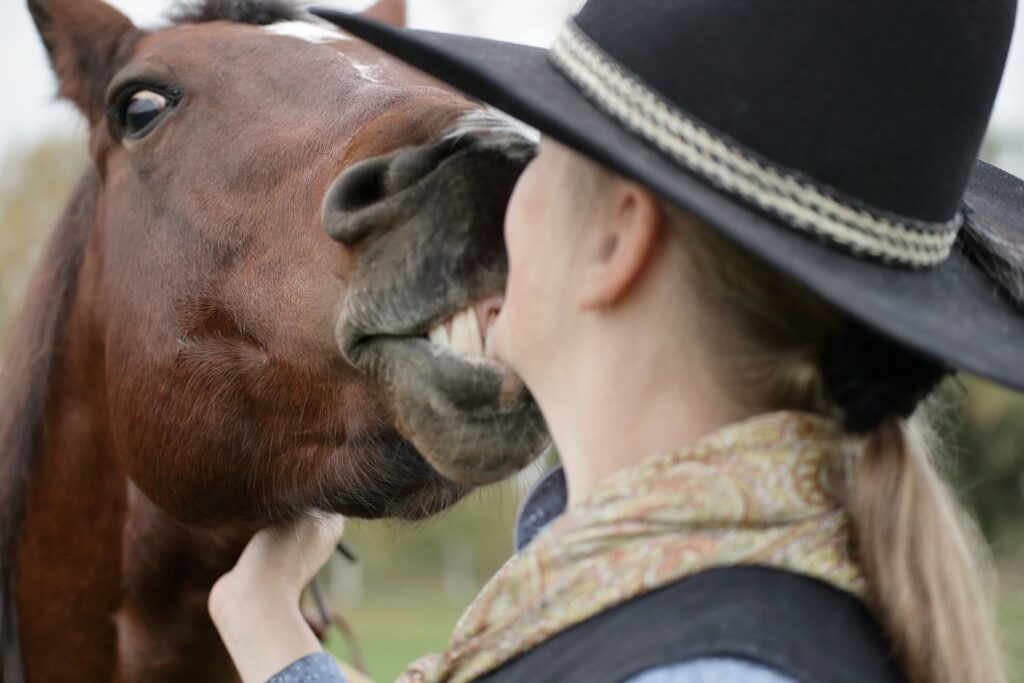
<point x="798" y="202"/>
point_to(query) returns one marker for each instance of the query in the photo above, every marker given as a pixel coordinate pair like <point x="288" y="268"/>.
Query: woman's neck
<point x="612" y="408"/>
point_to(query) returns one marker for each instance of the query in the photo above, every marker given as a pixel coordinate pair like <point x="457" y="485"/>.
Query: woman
<point x="771" y="243"/>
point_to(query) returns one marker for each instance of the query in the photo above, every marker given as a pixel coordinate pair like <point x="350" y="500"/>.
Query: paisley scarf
<point x="765" y="491"/>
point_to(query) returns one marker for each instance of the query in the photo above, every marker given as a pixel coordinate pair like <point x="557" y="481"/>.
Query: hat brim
<point x="952" y="311"/>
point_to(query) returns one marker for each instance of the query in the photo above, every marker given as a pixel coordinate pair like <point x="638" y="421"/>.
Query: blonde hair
<point x="928" y="569"/>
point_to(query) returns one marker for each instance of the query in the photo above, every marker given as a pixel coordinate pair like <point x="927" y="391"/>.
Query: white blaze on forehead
<point x="323" y="33"/>
<point x="367" y="72"/>
<point x="307" y="31"/>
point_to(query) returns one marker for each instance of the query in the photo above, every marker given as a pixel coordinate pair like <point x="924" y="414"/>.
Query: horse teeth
<point x="466" y="337"/>
<point x="462" y="334"/>
<point x="439" y="335"/>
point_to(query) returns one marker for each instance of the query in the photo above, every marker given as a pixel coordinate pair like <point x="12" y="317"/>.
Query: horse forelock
<point x="258" y="12"/>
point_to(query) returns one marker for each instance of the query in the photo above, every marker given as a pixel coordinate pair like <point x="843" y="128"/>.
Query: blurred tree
<point x="988" y="447"/>
<point x="37" y="183"/>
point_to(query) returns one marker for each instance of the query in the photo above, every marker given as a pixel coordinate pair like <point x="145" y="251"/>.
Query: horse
<point x="198" y="358"/>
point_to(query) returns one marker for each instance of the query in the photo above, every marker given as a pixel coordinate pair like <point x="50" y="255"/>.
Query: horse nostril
<point x="379" y="193"/>
<point x="362" y="185"/>
<point x="353" y="205"/>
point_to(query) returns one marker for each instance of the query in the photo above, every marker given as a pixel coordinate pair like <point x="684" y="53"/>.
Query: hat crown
<point x="883" y="102"/>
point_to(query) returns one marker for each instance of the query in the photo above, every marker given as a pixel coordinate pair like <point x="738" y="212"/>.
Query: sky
<point x="28" y="112"/>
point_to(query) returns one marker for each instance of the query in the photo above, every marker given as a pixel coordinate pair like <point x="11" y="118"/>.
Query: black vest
<point x="796" y="625"/>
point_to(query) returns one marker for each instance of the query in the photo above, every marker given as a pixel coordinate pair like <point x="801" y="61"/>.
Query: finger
<point x="317" y="537"/>
<point x="290" y="555"/>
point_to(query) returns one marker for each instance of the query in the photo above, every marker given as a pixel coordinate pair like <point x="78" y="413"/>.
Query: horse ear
<point x="389" y="11"/>
<point x="88" y="40"/>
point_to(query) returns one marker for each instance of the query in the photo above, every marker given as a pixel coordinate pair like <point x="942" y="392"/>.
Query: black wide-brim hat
<point x="838" y="141"/>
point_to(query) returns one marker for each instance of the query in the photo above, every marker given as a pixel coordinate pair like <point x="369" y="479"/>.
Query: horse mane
<point x="28" y="366"/>
<point x="259" y="12"/>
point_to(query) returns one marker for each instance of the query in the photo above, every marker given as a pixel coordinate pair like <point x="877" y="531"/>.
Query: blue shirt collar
<point x="542" y="505"/>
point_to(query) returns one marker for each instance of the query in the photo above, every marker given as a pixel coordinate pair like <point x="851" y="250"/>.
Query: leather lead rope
<point x="329" y="618"/>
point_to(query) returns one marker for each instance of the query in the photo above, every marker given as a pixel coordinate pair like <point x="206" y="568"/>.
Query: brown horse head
<point x="176" y="378"/>
<point x="209" y="292"/>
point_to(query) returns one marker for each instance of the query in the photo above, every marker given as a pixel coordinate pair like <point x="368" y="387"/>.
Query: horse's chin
<point x="427" y="502"/>
<point x="381" y="475"/>
<point x="470" y="417"/>
<point x="409" y="508"/>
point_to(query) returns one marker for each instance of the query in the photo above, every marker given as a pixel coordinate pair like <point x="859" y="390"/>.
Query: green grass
<point x="1011" y="621"/>
<point x="394" y="632"/>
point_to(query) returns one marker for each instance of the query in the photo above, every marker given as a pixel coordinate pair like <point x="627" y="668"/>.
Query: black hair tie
<point x="872" y="378"/>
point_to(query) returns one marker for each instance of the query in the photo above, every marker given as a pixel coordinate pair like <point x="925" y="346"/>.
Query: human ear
<point x="622" y="246"/>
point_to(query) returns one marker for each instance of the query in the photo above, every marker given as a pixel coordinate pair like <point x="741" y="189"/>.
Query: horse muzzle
<point x="424" y="227"/>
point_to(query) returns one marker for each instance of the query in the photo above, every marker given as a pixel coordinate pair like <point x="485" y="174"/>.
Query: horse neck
<point x="66" y="504"/>
<point x="107" y="587"/>
<point x="133" y="582"/>
<point x="164" y="629"/>
<point x="68" y="571"/>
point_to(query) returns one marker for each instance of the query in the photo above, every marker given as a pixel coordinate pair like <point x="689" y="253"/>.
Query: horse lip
<point x="352" y="338"/>
<point x="352" y="344"/>
<point x="435" y="394"/>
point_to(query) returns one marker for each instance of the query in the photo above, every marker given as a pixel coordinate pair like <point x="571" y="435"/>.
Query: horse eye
<point x="141" y="110"/>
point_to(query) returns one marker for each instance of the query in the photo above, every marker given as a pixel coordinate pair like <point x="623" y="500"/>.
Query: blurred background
<point x="411" y="582"/>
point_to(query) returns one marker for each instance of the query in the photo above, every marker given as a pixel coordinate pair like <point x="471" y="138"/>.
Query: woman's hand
<point x="283" y="560"/>
<point x="255" y="606"/>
